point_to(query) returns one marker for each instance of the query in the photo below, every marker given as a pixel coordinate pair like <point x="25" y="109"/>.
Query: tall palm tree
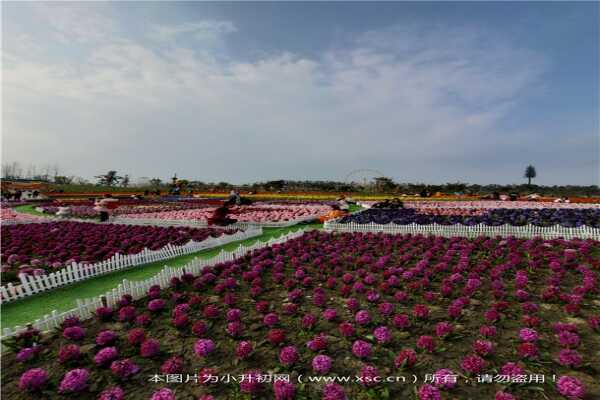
<point x="530" y="173"/>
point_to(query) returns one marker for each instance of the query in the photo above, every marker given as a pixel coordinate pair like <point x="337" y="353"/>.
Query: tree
<point x="109" y="179"/>
<point x="155" y="182"/>
<point x="530" y="173"/>
<point x="63" y="180"/>
<point x="125" y="181"/>
<point x="383" y="184"/>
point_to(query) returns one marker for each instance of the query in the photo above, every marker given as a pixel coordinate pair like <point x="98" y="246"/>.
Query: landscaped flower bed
<point x="494" y="217"/>
<point x="10" y="215"/>
<point x="261" y="214"/>
<point x="40" y="248"/>
<point x="341" y="305"/>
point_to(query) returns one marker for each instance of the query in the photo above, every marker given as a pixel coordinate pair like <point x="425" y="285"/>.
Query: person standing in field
<point x="104" y="205"/>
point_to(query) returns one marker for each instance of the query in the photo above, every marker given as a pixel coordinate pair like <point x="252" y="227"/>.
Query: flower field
<point x="46" y="247"/>
<point x="469" y="318"/>
<point x="566" y="217"/>
<point x="9" y="215"/>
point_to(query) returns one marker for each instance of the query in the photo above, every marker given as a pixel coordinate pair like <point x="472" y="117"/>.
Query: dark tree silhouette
<point x="109" y="179"/>
<point x="530" y="173"/>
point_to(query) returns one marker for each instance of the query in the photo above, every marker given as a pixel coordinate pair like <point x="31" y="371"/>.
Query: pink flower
<point x="136" y="336"/>
<point x="571" y="387"/>
<point x="309" y="321"/>
<point x="150" y="348"/>
<point x="500" y="395"/>
<point x="251" y="382"/>
<point x="33" y="380"/>
<point x="347" y="329"/>
<point x="333" y="391"/>
<point x="445" y="378"/>
<point x="330" y="314"/>
<point x="173" y="365"/>
<point x="199" y="328"/>
<point x="244" y="349"/>
<point x="370" y="376"/>
<point x="488" y="331"/>
<point x="512" y="369"/>
<point x="528" y="350"/>
<point x="318" y="343"/>
<point x="443" y="329"/>
<point x="362" y="349"/>
<point x="569" y="339"/>
<point x="383" y="334"/>
<point x="156" y="305"/>
<point x="284" y="390"/>
<point x="74" y="381"/>
<point x="106" y="356"/>
<point x="401" y="321"/>
<point x="322" y="364"/>
<point x="106" y="338"/>
<point x="124" y="368"/>
<point x="204" y="347"/>
<point x="74" y="333"/>
<point x="235" y="329"/>
<point x="473" y="364"/>
<point x="289" y="355"/>
<point x="529" y="335"/>
<point x="163" y="394"/>
<point x="271" y="319"/>
<point x="428" y="392"/>
<point x="113" y="393"/>
<point x="483" y="347"/>
<point x="421" y="311"/>
<point x="363" y="317"/>
<point x="570" y="358"/>
<point x="406" y="358"/>
<point x="426" y="342"/>
<point x="68" y="353"/>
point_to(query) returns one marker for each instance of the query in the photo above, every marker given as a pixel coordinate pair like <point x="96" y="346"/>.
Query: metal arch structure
<point x="366" y="171"/>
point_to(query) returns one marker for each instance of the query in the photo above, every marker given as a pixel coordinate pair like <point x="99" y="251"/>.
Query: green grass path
<point x="63" y="299"/>
<point x="30" y="209"/>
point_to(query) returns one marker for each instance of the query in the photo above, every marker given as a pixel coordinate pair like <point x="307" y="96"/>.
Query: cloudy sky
<point x="423" y="92"/>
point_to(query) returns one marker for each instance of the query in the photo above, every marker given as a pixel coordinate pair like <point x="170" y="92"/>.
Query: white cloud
<point x="206" y="30"/>
<point x="398" y="101"/>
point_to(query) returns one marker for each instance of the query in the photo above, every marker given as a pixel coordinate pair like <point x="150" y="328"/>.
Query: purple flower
<point x="289" y="355"/>
<point x="401" y="321"/>
<point x="74" y="333"/>
<point x="322" y="364"/>
<point x="234" y="314"/>
<point x="124" y="368"/>
<point x="443" y="329"/>
<point x="473" y="364"/>
<point x="251" y="382"/>
<point x="488" y="331"/>
<point x="512" y="369"/>
<point x="383" y="334"/>
<point x="173" y="365"/>
<point x="483" y="347"/>
<point x="369" y="375"/>
<point x="106" y="338"/>
<point x="500" y="395"/>
<point x="271" y="319"/>
<point x="75" y="381"/>
<point x="33" y="380"/>
<point x="570" y="358"/>
<point x="113" y="393"/>
<point x="150" y="348"/>
<point x="426" y="342"/>
<point x="570" y="387"/>
<point x="309" y="321"/>
<point x="569" y="339"/>
<point x="284" y="390"/>
<point x="235" y="328"/>
<point x="330" y="314"/>
<point x="333" y="391"/>
<point x="106" y="356"/>
<point x="26" y="354"/>
<point x="204" y="347"/>
<point x="363" y="317"/>
<point x="163" y="394"/>
<point x="445" y="378"/>
<point x="406" y="358"/>
<point x="127" y="313"/>
<point x="68" y="353"/>
<point x="156" y="305"/>
<point x="104" y="313"/>
<point x="529" y="335"/>
<point x="347" y="329"/>
<point x="428" y="392"/>
<point x="362" y="349"/>
<point x="244" y="349"/>
<point x="318" y="343"/>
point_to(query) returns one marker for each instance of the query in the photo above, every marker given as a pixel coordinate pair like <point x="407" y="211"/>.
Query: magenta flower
<point x="370" y="376"/>
<point x="571" y="387"/>
<point x="289" y="355"/>
<point x="150" y="348"/>
<point x="26" y="354"/>
<point x="127" y="313"/>
<point x="421" y="311"/>
<point x="163" y="394"/>
<point x="33" y="380"/>
<point x="347" y="329"/>
<point x="199" y="328"/>
<point x="106" y="356"/>
<point x="529" y="335"/>
<point x="330" y="314"/>
<point x="309" y="321"/>
<point x="284" y="390"/>
<point x="362" y="349"/>
<point x="363" y="317"/>
<point x="244" y="349"/>
<point x="383" y="334"/>
<point x="69" y="352"/>
<point x="173" y="365"/>
<point x="401" y="321"/>
<point x="156" y="305"/>
<point x="569" y="339"/>
<point x="204" y="347"/>
<point x="426" y="342"/>
<point x="104" y="313"/>
<point x="271" y="319"/>
<point x="333" y="391"/>
<point x="512" y="369"/>
<point x="528" y="350"/>
<point x="429" y="392"/>
<point x="234" y="314"/>
<point x="500" y="395"/>
<point x="406" y="358"/>
<point x="124" y="368"/>
<point x="136" y="336"/>
<point x="75" y="381"/>
<point x="74" y="333"/>
<point x="235" y="328"/>
<point x="445" y="378"/>
<point x="570" y="358"/>
<point x="473" y="364"/>
<point x="318" y="343"/>
<point x="322" y="364"/>
<point x="113" y="393"/>
<point x="251" y="382"/>
<point x="106" y="338"/>
<point x="483" y="347"/>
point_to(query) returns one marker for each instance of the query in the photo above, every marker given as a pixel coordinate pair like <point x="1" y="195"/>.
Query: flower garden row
<point x="260" y="214"/>
<point x="37" y="249"/>
<point x="485" y="204"/>
<point x="10" y="215"/>
<point x="493" y="217"/>
<point x="340" y="305"/>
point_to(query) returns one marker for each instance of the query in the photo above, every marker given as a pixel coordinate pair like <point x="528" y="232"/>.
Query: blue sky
<point x="242" y="92"/>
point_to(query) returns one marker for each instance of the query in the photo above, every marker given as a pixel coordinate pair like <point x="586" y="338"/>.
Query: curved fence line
<point x="77" y="272"/>
<point x="526" y="231"/>
<point x="85" y="308"/>
<point x="202" y="223"/>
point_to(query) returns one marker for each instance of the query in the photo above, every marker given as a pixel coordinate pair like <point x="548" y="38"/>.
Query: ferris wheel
<point x="363" y="177"/>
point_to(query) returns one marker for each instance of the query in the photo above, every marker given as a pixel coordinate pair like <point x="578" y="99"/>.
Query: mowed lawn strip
<point x="64" y="298"/>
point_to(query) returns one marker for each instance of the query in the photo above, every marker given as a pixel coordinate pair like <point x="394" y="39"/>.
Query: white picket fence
<point x="526" y="231"/>
<point x="137" y="290"/>
<point x="78" y="272"/>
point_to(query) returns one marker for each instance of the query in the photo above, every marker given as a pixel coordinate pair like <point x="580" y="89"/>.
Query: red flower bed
<point x="456" y="313"/>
